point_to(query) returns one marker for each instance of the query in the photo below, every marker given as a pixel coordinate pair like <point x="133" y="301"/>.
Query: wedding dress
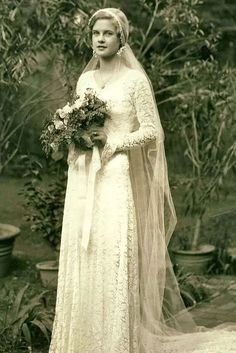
<point x="98" y="301"/>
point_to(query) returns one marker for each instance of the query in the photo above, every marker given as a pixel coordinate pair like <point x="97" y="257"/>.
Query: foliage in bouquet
<point x="74" y="122"/>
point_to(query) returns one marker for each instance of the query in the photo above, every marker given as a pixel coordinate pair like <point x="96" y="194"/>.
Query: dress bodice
<point x="118" y="95"/>
<point x="134" y="119"/>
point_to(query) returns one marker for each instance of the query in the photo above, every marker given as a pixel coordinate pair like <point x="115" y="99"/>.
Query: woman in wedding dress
<point x="117" y="292"/>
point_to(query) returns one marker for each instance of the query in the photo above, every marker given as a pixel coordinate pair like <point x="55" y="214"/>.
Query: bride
<point x="117" y="292"/>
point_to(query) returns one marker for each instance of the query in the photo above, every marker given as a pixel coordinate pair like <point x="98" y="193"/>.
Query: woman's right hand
<point x="99" y="137"/>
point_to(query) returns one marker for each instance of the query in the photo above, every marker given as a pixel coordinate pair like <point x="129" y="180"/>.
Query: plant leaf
<point x="27" y="333"/>
<point x="41" y="326"/>
<point x="16" y="305"/>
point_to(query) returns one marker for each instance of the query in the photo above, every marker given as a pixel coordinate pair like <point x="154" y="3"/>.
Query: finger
<point x="97" y="138"/>
<point x="95" y="133"/>
<point x="98" y="133"/>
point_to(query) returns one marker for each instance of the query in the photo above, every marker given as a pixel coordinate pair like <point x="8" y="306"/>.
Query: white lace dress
<point x="97" y="308"/>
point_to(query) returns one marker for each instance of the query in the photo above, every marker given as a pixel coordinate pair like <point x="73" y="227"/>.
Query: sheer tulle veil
<point x="163" y="316"/>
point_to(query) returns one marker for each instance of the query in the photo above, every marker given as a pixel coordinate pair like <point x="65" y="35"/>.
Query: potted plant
<point x="8" y="233"/>
<point x="44" y="204"/>
<point x="205" y="119"/>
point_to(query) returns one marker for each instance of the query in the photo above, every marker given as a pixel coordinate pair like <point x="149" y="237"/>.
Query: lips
<point x="101" y="47"/>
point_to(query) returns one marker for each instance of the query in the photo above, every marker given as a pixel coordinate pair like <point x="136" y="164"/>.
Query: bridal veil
<point x="164" y="317"/>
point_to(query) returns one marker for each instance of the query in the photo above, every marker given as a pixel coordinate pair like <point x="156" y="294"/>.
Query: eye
<point x="109" y="33"/>
<point x="94" y="33"/>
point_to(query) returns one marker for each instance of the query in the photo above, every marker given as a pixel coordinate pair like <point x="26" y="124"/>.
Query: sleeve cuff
<point x="109" y="149"/>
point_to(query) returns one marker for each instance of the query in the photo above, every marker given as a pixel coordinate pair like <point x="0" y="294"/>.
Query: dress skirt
<point x="97" y="309"/>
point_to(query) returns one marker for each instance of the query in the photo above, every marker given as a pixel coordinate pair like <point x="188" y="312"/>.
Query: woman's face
<point x="105" y="39"/>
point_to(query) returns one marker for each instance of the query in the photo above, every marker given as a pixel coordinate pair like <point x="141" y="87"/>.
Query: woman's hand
<point x="99" y="137"/>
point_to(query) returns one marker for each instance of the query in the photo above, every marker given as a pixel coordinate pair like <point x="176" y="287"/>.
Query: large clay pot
<point x="194" y="261"/>
<point x="8" y="234"/>
<point x="48" y="273"/>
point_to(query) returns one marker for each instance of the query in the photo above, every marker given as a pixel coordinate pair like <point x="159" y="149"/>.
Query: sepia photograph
<point x="117" y="176"/>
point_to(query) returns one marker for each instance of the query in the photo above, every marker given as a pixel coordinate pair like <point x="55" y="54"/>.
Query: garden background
<point x="188" y="49"/>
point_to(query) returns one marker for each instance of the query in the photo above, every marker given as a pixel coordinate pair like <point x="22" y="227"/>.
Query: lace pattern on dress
<point x="144" y="111"/>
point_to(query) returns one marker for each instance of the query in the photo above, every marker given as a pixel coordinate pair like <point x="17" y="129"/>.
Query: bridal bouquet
<point x="73" y="123"/>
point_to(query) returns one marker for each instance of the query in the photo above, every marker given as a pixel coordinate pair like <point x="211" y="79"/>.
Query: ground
<point x="221" y="307"/>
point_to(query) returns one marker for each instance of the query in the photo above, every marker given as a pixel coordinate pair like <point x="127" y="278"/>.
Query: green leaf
<point x="27" y="333"/>
<point x="17" y="303"/>
<point x="42" y="327"/>
<point x="188" y="296"/>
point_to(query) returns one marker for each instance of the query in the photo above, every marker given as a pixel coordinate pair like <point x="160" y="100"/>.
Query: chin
<point x="107" y="55"/>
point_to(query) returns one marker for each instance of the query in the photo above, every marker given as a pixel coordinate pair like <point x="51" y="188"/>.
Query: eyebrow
<point x="106" y="30"/>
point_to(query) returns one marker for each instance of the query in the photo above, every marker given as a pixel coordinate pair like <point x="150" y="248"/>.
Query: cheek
<point x="93" y="39"/>
<point x="115" y="43"/>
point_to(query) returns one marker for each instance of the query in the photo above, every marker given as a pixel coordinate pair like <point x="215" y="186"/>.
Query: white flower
<point x="67" y="109"/>
<point x="54" y="146"/>
<point x="58" y="124"/>
<point x="50" y="128"/>
<point x="64" y="111"/>
<point x="61" y="113"/>
<point x="77" y="103"/>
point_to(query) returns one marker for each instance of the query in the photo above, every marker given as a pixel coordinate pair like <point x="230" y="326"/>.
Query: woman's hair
<point x="102" y="15"/>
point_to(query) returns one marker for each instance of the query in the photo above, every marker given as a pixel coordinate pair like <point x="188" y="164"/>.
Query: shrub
<point x="26" y="320"/>
<point x="44" y="201"/>
<point x="192" y="288"/>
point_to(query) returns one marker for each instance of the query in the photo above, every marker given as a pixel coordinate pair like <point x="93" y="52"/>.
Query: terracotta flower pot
<point x="194" y="261"/>
<point x="48" y="273"/>
<point x="8" y="234"/>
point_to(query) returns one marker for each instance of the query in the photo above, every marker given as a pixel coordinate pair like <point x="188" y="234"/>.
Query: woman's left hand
<point x="99" y="137"/>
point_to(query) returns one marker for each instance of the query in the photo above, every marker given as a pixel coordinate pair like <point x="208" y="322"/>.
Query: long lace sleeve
<point x="146" y="115"/>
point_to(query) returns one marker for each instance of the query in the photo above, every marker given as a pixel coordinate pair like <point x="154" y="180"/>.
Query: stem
<point x="221" y="128"/>
<point x="196" y="143"/>
<point x="196" y="234"/>
<point x="180" y="58"/>
<point x="170" y="87"/>
<point x="149" y="27"/>
<point x="180" y="46"/>
<point x="150" y="44"/>
<point x="170" y="99"/>
<point x="192" y="155"/>
<point x="37" y="45"/>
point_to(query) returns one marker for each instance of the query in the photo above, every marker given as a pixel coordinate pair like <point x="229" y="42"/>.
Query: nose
<point x="101" y="38"/>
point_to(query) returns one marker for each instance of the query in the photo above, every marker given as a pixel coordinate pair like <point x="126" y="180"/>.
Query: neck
<point x="109" y="64"/>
